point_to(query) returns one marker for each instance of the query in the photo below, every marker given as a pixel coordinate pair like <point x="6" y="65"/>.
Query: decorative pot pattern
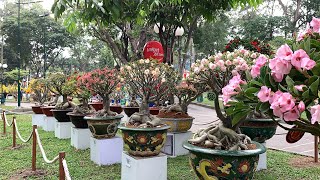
<point x="77" y="120"/>
<point x="37" y="109"/>
<point x="47" y="110"/>
<point x="117" y="109"/>
<point x="178" y="124"/>
<point x="97" y="105"/>
<point x="144" y="141"/>
<point x="259" y="130"/>
<point x="61" y="114"/>
<point x="103" y="127"/>
<point x="130" y="110"/>
<point x="221" y="164"/>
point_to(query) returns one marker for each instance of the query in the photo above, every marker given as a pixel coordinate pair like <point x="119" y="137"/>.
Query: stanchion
<point x="316" y="150"/>
<point x="34" y="147"/>
<point x="14" y="137"/>
<point x="4" y="122"/>
<point x="62" y="175"/>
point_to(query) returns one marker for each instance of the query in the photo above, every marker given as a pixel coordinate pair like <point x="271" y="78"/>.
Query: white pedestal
<point x="143" y="168"/>
<point x="38" y="119"/>
<point x="173" y="146"/>
<point x="262" y="164"/>
<point x="106" y="151"/>
<point x="80" y="138"/>
<point x="49" y="123"/>
<point x="63" y="130"/>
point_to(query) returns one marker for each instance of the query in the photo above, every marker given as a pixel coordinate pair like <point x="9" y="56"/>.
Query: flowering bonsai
<point x="60" y="85"/>
<point x="39" y="91"/>
<point x="287" y="86"/>
<point x="216" y="72"/>
<point x="102" y="82"/>
<point x="149" y="80"/>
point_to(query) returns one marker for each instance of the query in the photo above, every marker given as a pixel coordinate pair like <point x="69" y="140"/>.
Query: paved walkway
<point x="204" y="116"/>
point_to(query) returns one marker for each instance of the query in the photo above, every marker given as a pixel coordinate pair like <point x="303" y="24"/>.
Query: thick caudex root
<point x="65" y="105"/>
<point x="142" y="120"/>
<point x="83" y="109"/>
<point x="220" y="137"/>
<point x="172" y="108"/>
<point x="105" y="113"/>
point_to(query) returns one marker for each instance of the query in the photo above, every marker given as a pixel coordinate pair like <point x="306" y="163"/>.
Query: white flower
<point x="228" y="63"/>
<point x="121" y="79"/>
<point x="212" y="66"/>
<point x="253" y="55"/>
<point x="163" y="80"/>
<point x="196" y="70"/>
<point x="204" y="61"/>
<point x="141" y="61"/>
<point x="147" y="61"/>
<point x="147" y="71"/>
<point x="128" y="68"/>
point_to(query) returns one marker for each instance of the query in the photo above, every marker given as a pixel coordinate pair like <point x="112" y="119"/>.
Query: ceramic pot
<point x="77" y="120"/>
<point x="37" y="109"/>
<point x="97" y="105"/>
<point x="178" y="124"/>
<point x="144" y="141"/>
<point x="61" y="114"/>
<point x="103" y="127"/>
<point x="259" y="130"/>
<point x="222" y="164"/>
<point x="130" y="110"/>
<point x="47" y="110"/>
<point x="115" y="108"/>
<point x="154" y="110"/>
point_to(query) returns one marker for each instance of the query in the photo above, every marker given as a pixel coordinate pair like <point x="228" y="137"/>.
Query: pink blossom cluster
<point x="233" y="88"/>
<point x="284" y="60"/>
<point x="260" y="61"/>
<point x="283" y="104"/>
<point x="315" y="24"/>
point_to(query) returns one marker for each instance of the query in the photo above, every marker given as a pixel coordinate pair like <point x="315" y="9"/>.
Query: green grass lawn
<point x="7" y="107"/>
<point x="80" y="166"/>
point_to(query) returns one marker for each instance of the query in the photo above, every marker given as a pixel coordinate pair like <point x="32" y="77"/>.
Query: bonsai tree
<point x="102" y="82"/>
<point x="217" y="72"/>
<point x="287" y="86"/>
<point x="60" y="85"/>
<point x="39" y="91"/>
<point x="149" y="80"/>
<point x="83" y="94"/>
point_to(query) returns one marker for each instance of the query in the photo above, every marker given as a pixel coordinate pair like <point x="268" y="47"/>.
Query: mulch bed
<point x="303" y="161"/>
<point x="24" y="174"/>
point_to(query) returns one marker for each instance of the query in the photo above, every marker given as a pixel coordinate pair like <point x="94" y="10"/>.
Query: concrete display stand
<point x="80" y="138"/>
<point x="63" y="130"/>
<point x="173" y="146"/>
<point x="143" y="168"/>
<point x="38" y="119"/>
<point x="49" y="124"/>
<point x="106" y="151"/>
<point x="262" y="164"/>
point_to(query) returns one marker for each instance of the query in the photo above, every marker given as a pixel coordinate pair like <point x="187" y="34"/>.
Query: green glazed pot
<point x="103" y="127"/>
<point x="259" y="130"/>
<point x="220" y="164"/>
<point x="144" y="141"/>
<point x="178" y="124"/>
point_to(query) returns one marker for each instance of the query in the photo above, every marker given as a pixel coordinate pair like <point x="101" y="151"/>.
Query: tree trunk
<point x="64" y="98"/>
<point x="144" y="107"/>
<point x="106" y="103"/>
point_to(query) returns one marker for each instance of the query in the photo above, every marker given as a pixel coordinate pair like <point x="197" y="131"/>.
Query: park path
<point x="204" y="116"/>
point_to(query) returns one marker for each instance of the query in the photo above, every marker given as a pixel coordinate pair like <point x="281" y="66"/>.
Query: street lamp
<point x="44" y="45"/>
<point x="178" y="33"/>
<point x="2" y="68"/>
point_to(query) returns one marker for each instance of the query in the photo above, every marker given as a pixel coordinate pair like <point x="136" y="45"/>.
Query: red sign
<point x="153" y="49"/>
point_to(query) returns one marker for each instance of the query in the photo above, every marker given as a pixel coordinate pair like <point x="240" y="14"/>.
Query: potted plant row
<point x="39" y="94"/>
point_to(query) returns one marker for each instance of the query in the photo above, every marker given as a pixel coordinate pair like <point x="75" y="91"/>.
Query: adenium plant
<point x="62" y="85"/>
<point x="102" y="82"/>
<point x="287" y="86"/>
<point x="216" y="72"/>
<point x="39" y="91"/>
<point x="149" y="80"/>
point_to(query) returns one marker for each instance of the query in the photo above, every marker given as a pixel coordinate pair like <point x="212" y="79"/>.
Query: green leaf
<point x="239" y="116"/>
<point x="265" y="107"/>
<point x="314" y="87"/>
<point x="251" y="91"/>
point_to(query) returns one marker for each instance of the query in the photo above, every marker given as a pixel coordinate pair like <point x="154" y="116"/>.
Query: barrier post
<point x="4" y="123"/>
<point x="316" y="150"/>
<point x="34" y="147"/>
<point x="14" y="136"/>
<point x="62" y="175"/>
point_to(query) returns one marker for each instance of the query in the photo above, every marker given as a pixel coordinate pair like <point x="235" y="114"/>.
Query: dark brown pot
<point x="154" y="110"/>
<point x="77" y="120"/>
<point x="130" y="110"/>
<point x="115" y="108"/>
<point x="37" y="109"/>
<point x="97" y="105"/>
<point x="61" y="114"/>
<point x="46" y="110"/>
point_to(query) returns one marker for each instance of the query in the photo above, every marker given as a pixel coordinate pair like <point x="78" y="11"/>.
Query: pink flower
<point x="264" y="94"/>
<point x="284" y="52"/>
<point x="212" y="66"/>
<point x="277" y="112"/>
<point x="232" y="88"/>
<point x="286" y="102"/>
<point x="307" y="63"/>
<point x="255" y="71"/>
<point x="261" y="60"/>
<point x="280" y="66"/>
<point x="277" y="77"/>
<point x="315" y="112"/>
<point x="291" y="115"/>
<point x="302" y="35"/>
<point x="297" y="58"/>
<point x="275" y="96"/>
<point x="315" y="23"/>
<point x="301" y="106"/>
<point x="299" y="87"/>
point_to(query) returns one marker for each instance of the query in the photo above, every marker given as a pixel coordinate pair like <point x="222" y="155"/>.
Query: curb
<point x="202" y="105"/>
